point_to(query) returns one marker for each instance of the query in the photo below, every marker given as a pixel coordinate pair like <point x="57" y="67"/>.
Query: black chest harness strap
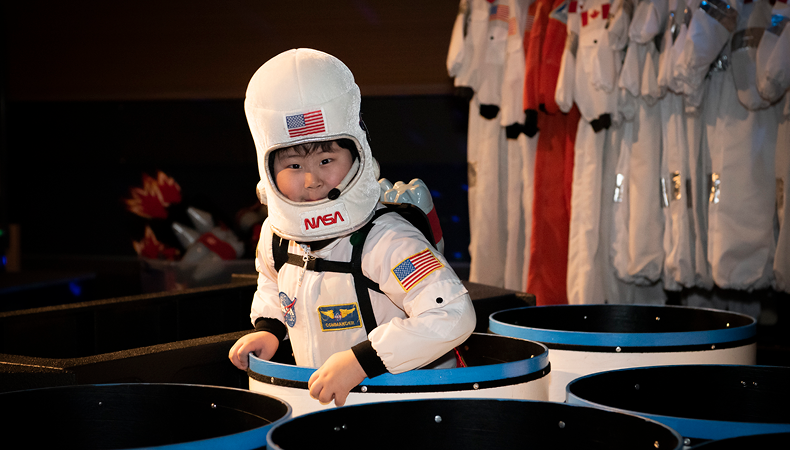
<point x="353" y="267"/>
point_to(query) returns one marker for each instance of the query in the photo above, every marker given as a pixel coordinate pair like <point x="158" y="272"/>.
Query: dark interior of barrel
<point x="480" y="349"/>
<point x="471" y="424"/>
<point x="622" y="319"/>
<point x="708" y="392"/>
<point x="134" y="415"/>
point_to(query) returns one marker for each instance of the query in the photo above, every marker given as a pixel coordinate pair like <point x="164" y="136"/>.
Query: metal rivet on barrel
<point x="585" y="317"/>
<point x="655" y="444"/>
<point x="687" y="441"/>
<point x="618" y="349"/>
<point x="475" y="386"/>
<point x="636" y="386"/>
<point x="562" y="424"/>
<point x="658" y="318"/>
<point x="713" y="347"/>
<point x="743" y="383"/>
<point x="99" y="403"/>
<point x="213" y="406"/>
<point x="337" y="428"/>
<point x="364" y="388"/>
<point x="754" y="383"/>
<point x="345" y="426"/>
<point x="438" y="419"/>
<point x="272" y="380"/>
<point x="728" y="325"/>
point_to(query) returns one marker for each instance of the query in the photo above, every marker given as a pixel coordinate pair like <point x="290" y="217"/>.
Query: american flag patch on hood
<point x="307" y="123"/>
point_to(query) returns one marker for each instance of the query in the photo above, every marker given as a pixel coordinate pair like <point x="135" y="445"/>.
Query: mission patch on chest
<point x="339" y="317"/>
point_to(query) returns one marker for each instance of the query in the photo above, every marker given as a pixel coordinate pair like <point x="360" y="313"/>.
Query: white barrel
<point x="701" y="402"/>
<point x="459" y="424"/>
<point x="585" y="339"/>
<point x="137" y="415"/>
<point x="497" y="367"/>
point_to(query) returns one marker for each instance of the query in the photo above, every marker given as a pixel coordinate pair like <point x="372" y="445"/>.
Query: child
<point x="405" y="308"/>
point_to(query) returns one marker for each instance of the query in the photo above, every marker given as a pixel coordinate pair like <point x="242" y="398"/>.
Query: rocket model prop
<point x="206" y="245"/>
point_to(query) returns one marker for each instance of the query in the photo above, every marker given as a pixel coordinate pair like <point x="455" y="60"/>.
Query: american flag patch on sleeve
<point x="303" y="124"/>
<point x="413" y="269"/>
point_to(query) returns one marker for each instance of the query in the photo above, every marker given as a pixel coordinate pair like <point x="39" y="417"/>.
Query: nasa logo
<point x="318" y="221"/>
<point x="326" y="219"/>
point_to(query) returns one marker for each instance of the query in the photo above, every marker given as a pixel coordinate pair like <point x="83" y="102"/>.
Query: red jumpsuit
<point x="554" y="158"/>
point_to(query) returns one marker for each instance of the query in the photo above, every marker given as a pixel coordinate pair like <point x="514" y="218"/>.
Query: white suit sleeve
<point x="773" y="59"/>
<point x="744" y="48"/>
<point x="456" y="53"/>
<point x="439" y="309"/>
<point x="513" y="83"/>
<point x="467" y="69"/>
<point x="649" y="19"/>
<point x="265" y="301"/>
<point x="618" y="26"/>
<point x="708" y="32"/>
<point x="492" y="72"/>
<point x="564" y="92"/>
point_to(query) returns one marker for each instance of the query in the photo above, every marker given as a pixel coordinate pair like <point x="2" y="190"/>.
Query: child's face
<point x="307" y="178"/>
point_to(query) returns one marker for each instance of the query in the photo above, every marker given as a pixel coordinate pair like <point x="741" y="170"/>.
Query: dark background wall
<point x="97" y="93"/>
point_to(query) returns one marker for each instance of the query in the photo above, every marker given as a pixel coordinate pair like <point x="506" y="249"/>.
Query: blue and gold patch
<point x="339" y="317"/>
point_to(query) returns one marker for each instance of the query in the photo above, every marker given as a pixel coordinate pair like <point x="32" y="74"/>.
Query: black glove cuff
<point x="369" y="359"/>
<point x="273" y="326"/>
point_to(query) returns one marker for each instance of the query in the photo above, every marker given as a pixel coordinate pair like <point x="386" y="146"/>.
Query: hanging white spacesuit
<point x="519" y="189"/>
<point x="691" y="180"/>
<point x="596" y="67"/>
<point x="483" y="50"/>
<point x="646" y="221"/>
<point x="676" y="185"/>
<point x="741" y="242"/>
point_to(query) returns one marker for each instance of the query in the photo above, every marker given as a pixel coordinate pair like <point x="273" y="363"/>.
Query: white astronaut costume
<point x="484" y="45"/>
<point x="519" y="195"/>
<point x="773" y="81"/>
<point x="426" y="310"/>
<point x="741" y="243"/>
<point x="588" y="76"/>
<point x="690" y="181"/>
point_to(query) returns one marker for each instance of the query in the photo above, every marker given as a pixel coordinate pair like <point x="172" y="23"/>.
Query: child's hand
<point x="262" y="343"/>
<point x="339" y="374"/>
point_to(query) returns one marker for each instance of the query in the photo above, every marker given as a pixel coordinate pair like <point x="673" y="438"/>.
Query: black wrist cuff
<point x="369" y="359"/>
<point x="273" y="326"/>
<point x="512" y="131"/>
<point x="489" y="111"/>
<point x="603" y="122"/>
<point x="531" y="122"/>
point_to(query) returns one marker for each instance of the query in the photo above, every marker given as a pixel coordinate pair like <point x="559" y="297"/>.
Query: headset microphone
<point x="334" y="193"/>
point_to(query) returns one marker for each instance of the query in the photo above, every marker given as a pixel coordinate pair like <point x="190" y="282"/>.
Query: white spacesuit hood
<point x="302" y="96"/>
